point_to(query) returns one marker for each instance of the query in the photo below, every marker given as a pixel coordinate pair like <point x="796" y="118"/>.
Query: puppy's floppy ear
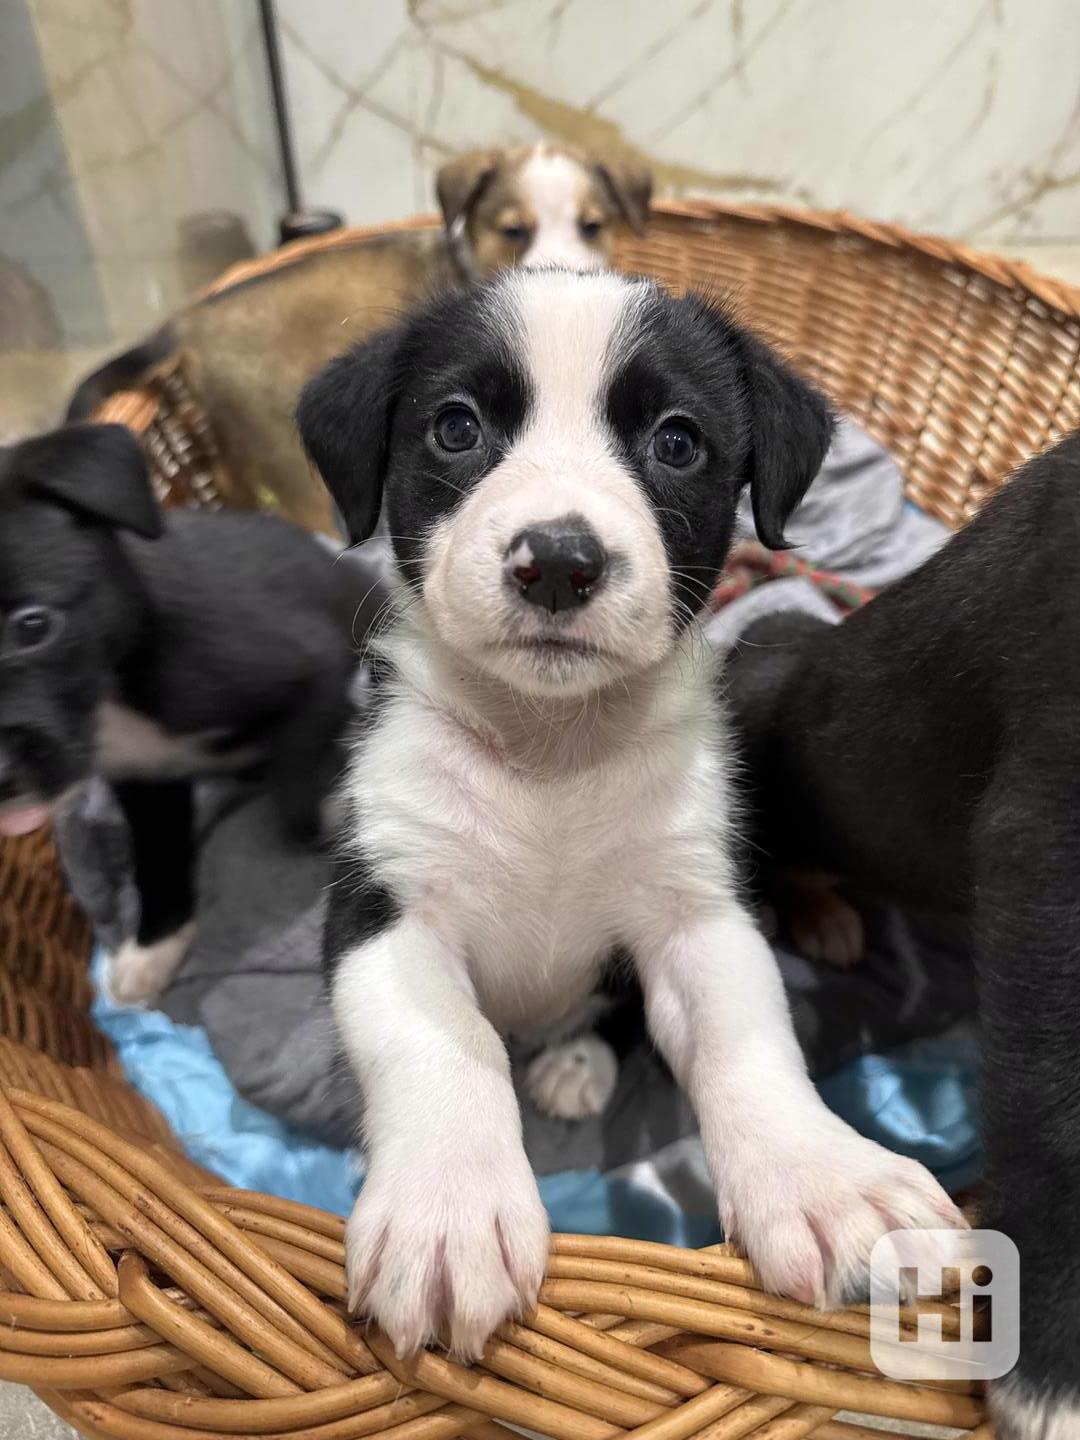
<point x="629" y="182"/>
<point x="460" y="183"/>
<point x="344" y="418"/>
<point x="791" y="427"/>
<point x="97" y="471"/>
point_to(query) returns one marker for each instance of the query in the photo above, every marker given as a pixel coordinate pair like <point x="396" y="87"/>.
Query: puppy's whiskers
<point x="442" y="480"/>
<point x="357" y="612"/>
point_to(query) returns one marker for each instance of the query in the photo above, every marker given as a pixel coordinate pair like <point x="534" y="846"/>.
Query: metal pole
<point x="281" y="105"/>
<point x="296" y="222"/>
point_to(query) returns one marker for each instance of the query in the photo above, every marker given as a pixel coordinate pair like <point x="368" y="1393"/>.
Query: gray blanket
<point x="253" y="975"/>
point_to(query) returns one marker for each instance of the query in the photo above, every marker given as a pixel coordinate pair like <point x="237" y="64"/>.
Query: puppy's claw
<point x="808" y="1291"/>
<point x="361" y="1281"/>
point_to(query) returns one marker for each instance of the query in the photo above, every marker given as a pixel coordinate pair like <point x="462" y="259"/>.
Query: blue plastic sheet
<point x="920" y="1100"/>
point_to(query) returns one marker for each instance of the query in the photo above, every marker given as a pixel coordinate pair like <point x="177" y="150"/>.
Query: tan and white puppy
<point x="247" y="350"/>
<point x="544" y="781"/>
<point x="540" y="205"/>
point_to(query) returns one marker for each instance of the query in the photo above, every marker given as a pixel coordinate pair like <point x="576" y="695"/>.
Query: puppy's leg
<point x="161" y="823"/>
<point x="1027" y="947"/>
<point x="448" y="1233"/>
<point x="804" y="1194"/>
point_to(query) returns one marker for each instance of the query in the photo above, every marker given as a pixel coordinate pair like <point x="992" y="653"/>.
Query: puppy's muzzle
<point x="556" y="566"/>
<point x="15" y="781"/>
<point x="8" y="785"/>
<point x="33" y="762"/>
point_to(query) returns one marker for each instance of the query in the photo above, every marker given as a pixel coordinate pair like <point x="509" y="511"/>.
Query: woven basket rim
<point x="999" y="269"/>
<point x="960" y="362"/>
<point x="131" y="1269"/>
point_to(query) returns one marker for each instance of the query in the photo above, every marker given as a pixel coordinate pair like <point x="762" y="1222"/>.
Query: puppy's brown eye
<point x="456" y="429"/>
<point x="590" y="229"/>
<point x="31" y="627"/>
<point x="675" y="444"/>
<point x="516" y="234"/>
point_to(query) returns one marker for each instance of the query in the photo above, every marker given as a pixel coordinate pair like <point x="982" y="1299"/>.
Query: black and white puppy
<point x="929" y="748"/>
<point x="157" y="650"/>
<point x="559" y="457"/>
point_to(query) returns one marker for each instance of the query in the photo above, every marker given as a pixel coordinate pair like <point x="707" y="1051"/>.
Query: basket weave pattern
<point x="962" y="364"/>
<point x="140" y="1305"/>
<point x="146" y="1302"/>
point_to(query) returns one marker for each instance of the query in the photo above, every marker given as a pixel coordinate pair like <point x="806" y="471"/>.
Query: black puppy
<point x="158" y="650"/>
<point x="929" y="748"/>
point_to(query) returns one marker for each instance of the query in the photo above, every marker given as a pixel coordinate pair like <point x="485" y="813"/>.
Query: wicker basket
<point x="146" y="1302"/>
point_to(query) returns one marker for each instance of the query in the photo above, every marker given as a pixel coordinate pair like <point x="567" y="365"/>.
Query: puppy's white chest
<point x="530" y="874"/>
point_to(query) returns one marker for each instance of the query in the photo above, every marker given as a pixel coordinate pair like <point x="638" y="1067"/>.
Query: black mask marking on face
<point x="390" y="397"/>
<point x="699" y="408"/>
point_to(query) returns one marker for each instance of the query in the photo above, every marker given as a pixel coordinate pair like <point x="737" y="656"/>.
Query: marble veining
<point x="125" y="124"/>
<point x="962" y="118"/>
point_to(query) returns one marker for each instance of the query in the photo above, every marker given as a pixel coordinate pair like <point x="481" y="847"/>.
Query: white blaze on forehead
<point x="567" y="333"/>
<point x="572" y="329"/>
<point x="553" y="188"/>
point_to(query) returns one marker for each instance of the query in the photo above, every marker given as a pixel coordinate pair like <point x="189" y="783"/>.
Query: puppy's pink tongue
<point x="20" y="819"/>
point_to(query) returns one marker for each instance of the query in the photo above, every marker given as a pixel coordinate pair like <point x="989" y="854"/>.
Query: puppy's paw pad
<point x="574" y="1080"/>
<point x="137" y="974"/>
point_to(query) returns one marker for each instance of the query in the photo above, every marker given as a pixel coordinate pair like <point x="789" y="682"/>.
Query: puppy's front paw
<point x="449" y="1255"/>
<point x="137" y="974"/>
<point x="1025" y="1412"/>
<point x="1039" y="1399"/>
<point x="809" y="1211"/>
<point x="573" y="1080"/>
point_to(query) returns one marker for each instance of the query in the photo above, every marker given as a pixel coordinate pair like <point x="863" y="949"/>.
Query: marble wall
<point x="153" y="161"/>
<point x="138" y="156"/>
<point x="961" y="116"/>
<point x="46" y="258"/>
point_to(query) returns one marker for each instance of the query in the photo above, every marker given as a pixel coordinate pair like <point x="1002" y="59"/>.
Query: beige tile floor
<point x="33" y="391"/>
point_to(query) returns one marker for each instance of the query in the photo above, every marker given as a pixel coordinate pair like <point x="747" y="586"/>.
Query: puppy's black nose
<point x="557" y="565"/>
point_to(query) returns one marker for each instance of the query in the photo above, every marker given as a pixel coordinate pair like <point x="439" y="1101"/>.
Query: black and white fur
<point x="929" y="749"/>
<point x="544" y="783"/>
<point x="158" y="650"/>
